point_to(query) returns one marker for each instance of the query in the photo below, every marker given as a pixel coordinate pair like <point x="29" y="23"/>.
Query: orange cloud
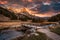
<point x="30" y="0"/>
<point x="14" y="4"/>
<point x="3" y="2"/>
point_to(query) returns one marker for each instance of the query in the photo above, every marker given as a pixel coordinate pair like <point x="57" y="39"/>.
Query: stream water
<point x="9" y="34"/>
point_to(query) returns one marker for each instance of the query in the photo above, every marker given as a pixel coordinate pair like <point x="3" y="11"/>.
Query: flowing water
<point x="9" y="34"/>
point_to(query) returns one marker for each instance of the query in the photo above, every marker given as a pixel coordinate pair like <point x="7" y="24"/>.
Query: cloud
<point x="46" y="3"/>
<point x="3" y="2"/>
<point x="14" y="4"/>
<point x="56" y="7"/>
<point x="30" y="0"/>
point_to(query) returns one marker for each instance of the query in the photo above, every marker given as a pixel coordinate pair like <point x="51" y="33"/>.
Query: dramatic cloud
<point x="30" y="0"/>
<point x="42" y="6"/>
<point x="3" y="2"/>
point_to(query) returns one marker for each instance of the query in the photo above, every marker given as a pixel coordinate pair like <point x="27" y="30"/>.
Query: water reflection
<point x="9" y="34"/>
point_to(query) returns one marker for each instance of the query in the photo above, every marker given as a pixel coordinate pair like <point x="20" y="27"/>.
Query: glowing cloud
<point x="30" y="1"/>
<point x="14" y="4"/>
<point x="3" y="2"/>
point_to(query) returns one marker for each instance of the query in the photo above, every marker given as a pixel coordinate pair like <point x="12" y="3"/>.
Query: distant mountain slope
<point x="55" y="18"/>
<point x="7" y="13"/>
<point x="3" y="18"/>
<point x="26" y="16"/>
<point x="23" y="16"/>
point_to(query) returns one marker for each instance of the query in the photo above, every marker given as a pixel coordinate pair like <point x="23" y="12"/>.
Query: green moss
<point x="41" y="36"/>
<point x="56" y="30"/>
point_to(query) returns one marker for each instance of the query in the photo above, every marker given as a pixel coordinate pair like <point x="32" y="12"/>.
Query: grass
<point x="41" y="36"/>
<point x="56" y="30"/>
<point x="33" y="37"/>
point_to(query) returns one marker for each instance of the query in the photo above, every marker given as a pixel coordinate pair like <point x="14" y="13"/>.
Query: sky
<point x="45" y="7"/>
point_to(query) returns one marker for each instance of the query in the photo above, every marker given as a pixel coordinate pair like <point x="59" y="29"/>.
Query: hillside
<point x="7" y="13"/>
<point x="55" y="18"/>
<point x="4" y="18"/>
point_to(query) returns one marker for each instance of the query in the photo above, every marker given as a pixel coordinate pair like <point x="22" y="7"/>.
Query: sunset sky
<point x="44" y="7"/>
